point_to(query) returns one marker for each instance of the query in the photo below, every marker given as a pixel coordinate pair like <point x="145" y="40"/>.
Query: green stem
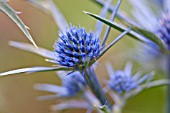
<point x="95" y="86"/>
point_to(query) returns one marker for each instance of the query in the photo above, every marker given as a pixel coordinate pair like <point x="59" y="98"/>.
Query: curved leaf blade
<point x="11" y="13"/>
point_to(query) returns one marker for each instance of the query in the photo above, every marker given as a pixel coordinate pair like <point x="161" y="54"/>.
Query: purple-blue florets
<point x="76" y="48"/>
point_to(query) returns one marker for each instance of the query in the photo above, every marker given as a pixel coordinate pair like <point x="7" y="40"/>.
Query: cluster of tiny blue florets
<point x="75" y="48"/>
<point x="74" y="83"/>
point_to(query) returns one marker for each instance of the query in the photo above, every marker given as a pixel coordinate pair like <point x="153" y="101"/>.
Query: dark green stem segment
<point x="95" y="86"/>
<point x="168" y="73"/>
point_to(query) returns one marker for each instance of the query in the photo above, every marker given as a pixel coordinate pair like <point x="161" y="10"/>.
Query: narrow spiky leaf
<point x="5" y="8"/>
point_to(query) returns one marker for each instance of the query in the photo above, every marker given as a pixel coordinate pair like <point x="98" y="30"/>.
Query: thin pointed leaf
<point x="5" y="8"/>
<point x="28" y="47"/>
<point x="149" y="35"/>
<point x="33" y="69"/>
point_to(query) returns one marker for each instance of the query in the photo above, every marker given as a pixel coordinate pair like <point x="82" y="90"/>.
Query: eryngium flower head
<point x="76" y="48"/>
<point x="122" y="81"/>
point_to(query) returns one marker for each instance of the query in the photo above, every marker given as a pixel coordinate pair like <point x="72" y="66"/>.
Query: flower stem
<point x="168" y="73"/>
<point x="95" y="86"/>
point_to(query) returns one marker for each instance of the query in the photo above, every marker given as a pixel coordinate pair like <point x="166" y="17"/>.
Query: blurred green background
<point x="17" y="94"/>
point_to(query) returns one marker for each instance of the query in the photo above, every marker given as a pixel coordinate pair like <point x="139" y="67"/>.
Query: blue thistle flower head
<point x="122" y="81"/>
<point x="76" y="48"/>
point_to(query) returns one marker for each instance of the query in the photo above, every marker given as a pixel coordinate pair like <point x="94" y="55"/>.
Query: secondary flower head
<point x="76" y="48"/>
<point x="122" y="80"/>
